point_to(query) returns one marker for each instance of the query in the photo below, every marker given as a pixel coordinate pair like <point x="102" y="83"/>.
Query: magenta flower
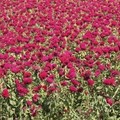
<point x="43" y="75"/>
<point x="27" y="80"/>
<point x="52" y="88"/>
<point x="22" y="91"/>
<point x="29" y="103"/>
<point x="86" y="75"/>
<point x="61" y="71"/>
<point x="73" y="88"/>
<point x="83" y="46"/>
<point x="64" y="83"/>
<point x="114" y="73"/>
<point x="26" y="74"/>
<point x="75" y="82"/>
<point x="49" y="80"/>
<point x="71" y="74"/>
<point x="35" y="98"/>
<point x="97" y="73"/>
<point x="110" y="81"/>
<point x="90" y="82"/>
<point x="15" y="69"/>
<point x="5" y="93"/>
<point x="33" y="111"/>
<point x="109" y="101"/>
<point x="37" y="88"/>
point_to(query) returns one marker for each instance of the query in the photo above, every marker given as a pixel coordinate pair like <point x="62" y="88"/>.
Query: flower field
<point x="59" y="59"/>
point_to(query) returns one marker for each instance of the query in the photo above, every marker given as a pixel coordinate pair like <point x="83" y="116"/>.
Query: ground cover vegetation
<point x="60" y="60"/>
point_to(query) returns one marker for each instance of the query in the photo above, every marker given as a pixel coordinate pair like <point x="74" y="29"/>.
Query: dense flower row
<point x="49" y="45"/>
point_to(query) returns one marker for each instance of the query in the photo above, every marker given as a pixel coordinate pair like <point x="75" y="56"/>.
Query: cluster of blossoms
<point x="49" y="45"/>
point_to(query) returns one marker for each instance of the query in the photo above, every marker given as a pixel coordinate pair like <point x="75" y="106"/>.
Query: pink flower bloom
<point x="15" y="69"/>
<point x="29" y="103"/>
<point x="22" y="91"/>
<point x="26" y="74"/>
<point x="71" y="74"/>
<point x="43" y="75"/>
<point x="27" y="80"/>
<point x="97" y="73"/>
<point x="83" y="46"/>
<point x="91" y="82"/>
<point x="52" y="88"/>
<point x="75" y="82"/>
<point x="44" y="87"/>
<point x="101" y="67"/>
<point x="37" y="88"/>
<point x="61" y="71"/>
<point x="114" y="73"/>
<point x="86" y="75"/>
<point x="70" y="65"/>
<point x="109" y="81"/>
<point x="33" y="111"/>
<point x="109" y="101"/>
<point x="64" y="83"/>
<point x="5" y="93"/>
<point x="73" y="88"/>
<point x="49" y="80"/>
<point x="64" y="59"/>
<point x="35" y="98"/>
